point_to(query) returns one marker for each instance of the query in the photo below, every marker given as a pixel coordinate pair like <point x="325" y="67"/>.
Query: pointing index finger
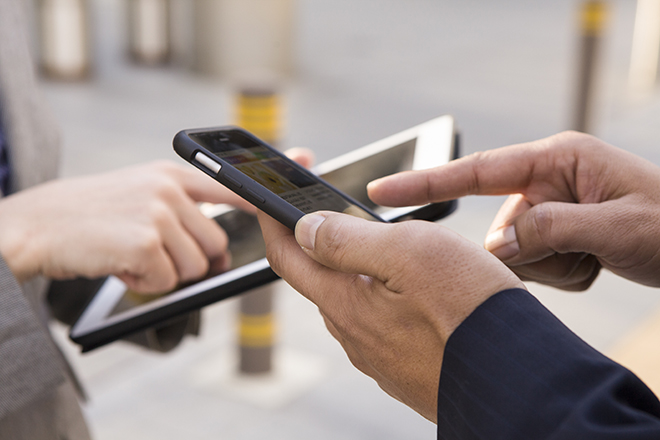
<point x="495" y="172"/>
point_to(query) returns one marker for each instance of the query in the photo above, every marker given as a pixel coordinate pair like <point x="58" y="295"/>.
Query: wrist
<point x="18" y="243"/>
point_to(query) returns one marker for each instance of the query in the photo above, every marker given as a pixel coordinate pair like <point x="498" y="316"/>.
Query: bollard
<point x="256" y="331"/>
<point x="645" y="53"/>
<point x="64" y="39"/>
<point x="258" y="111"/>
<point x="149" y="31"/>
<point x="235" y="38"/>
<point x="592" y="23"/>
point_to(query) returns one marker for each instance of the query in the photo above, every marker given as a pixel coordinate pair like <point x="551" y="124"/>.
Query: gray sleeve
<point x="28" y="360"/>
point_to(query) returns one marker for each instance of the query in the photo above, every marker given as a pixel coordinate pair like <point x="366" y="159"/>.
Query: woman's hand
<point x="141" y="224"/>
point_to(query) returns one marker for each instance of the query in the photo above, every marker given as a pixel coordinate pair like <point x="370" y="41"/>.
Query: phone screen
<point x="277" y="173"/>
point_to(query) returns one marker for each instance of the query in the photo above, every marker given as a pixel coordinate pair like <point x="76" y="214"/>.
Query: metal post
<point x="149" y="31"/>
<point x="256" y="331"/>
<point x="592" y="24"/>
<point x="645" y="53"/>
<point x="258" y="111"/>
<point x="64" y="39"/>
<point x="239" y="38"/>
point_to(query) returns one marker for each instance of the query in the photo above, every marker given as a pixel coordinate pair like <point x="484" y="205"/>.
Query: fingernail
<point x="503" y="243"/>
<point x="373" y="184"/>
<point x="306" y="230"/>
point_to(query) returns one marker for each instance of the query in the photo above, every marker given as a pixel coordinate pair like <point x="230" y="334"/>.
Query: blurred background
<point x="123" y="76"/>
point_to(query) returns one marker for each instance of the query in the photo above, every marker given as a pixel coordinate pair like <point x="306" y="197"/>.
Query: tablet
<point x="115" y="311"/>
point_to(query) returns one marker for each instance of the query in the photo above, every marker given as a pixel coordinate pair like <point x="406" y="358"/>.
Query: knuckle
<point x="167" y="189"/>
<point x="196" y="270"/>
<point x="168" y="282"/>
<point x="409" y="231"/>
<point x="572" y="136"/>
<point x="148" y="244"/>
<point x="476" y="161"/>
<point x="414" y="235"/>
<point x="162" y="181"/>
<point x="542" y="224"/>
<point x="631" y="224"/>
<point x="214" y="241"/>
<point x="159" y="213"/>
<point x="220" y="241"/>
<point x="571" y="139"/>
<point x="332" y="241"/>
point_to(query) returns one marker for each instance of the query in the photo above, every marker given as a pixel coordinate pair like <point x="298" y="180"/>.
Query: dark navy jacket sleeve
<point x="512" y="370"/>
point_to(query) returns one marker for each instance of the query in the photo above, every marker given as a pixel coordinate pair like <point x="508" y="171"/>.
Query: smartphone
<point x="114" y="311"/>
<point x="263" y="176"/>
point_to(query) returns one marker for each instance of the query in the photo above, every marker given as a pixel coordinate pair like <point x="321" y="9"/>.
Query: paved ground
<point x="365" y="69"/>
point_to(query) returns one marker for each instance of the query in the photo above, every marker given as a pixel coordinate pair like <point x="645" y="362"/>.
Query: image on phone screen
<point x="277" y="173"/>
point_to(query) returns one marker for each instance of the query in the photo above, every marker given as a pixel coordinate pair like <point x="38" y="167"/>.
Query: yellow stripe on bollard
<point x="259" y="112"/>
<point x="247" y="114"/>
<point x="257" y="331"/>
<point x="594" y="17"/>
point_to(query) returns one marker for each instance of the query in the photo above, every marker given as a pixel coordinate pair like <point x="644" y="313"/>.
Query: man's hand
<point x="576" y="204"/>
<point x="141" y="224"/>
<point x="391" y="294"/>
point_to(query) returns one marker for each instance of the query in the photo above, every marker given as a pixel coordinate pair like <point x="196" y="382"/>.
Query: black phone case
<point x="250" y="190"/>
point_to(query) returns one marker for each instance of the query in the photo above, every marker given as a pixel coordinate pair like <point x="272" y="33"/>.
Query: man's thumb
<point x="549" y="228"/>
